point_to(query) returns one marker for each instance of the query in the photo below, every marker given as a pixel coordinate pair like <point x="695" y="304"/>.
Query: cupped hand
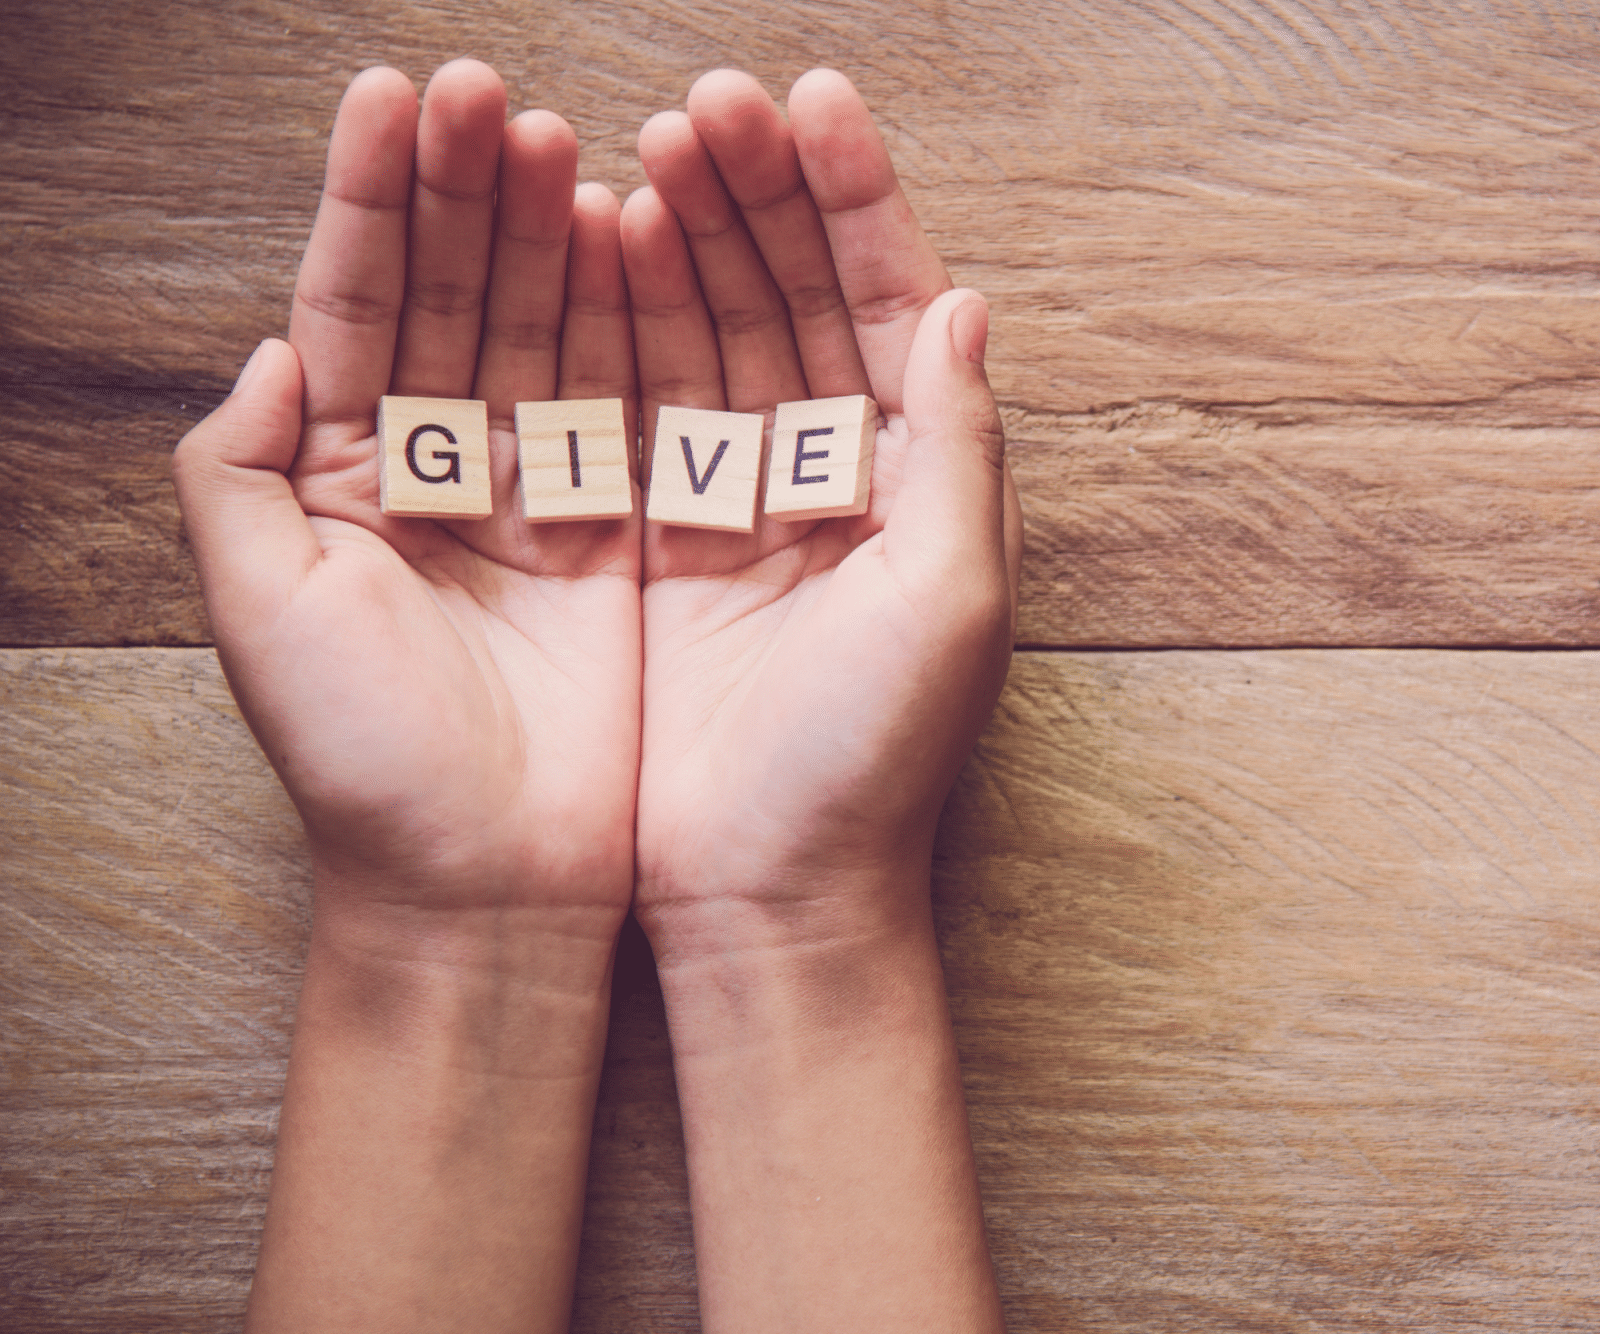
<point x="453" y="706"/>
<point x="811" y="689"/>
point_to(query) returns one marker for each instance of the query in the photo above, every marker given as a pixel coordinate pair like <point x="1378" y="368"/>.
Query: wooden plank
<point x="1277" y="249"/>
<point x="1165" y="526"/>
<point x="154" y="899"/>
<point x="153" y="920"/>
<point x="92" y="549"/>
<point x="1274" y="983"/>
<point x="1272" y="972"/>
<point x="1197" y="203"/>
<point x="1160" y="526"/>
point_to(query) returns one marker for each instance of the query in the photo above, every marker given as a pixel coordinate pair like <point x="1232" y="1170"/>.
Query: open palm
<point x="453" y="706"/>
<point x="810" y="689"/>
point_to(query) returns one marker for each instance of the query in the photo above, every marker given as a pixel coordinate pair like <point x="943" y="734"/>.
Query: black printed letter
<point x="700" y="483"/>
<point x="800" y="455"/>
<point x="450" y="474"/>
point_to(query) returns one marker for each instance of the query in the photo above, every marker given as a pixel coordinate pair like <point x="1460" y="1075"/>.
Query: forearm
<point x="434" y="1138"/>
<point x="830" y="1163"/>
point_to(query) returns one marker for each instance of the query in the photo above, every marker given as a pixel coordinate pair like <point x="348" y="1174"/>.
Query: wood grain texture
<point x="1352" y="234"/>
<point x="153" y="922"/>
<point x="828" y="472"/>
<point x="1273" y="971"/>
<point x="706" y="469"/>
<point x="572" y="460"/>
<point x="1273" y="975"/>
<point x="433" y="457"/>
<point x="92" y="550"/>
<point x="1165" y="526"/>
<point x="155" y="897"/>
<point x="1274" y="983"/>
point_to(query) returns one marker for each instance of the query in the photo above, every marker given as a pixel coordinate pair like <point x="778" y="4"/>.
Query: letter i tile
<point x="574" y="460"/>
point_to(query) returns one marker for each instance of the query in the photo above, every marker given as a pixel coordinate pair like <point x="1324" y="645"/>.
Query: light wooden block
<point x="574" y="460"/>
<point x="433" y="458"/>
<point x="822" y="458"/>
<point x="706" y="469"/>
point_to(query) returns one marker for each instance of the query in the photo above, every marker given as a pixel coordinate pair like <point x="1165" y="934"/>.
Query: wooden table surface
<point x="1268" y="903"/>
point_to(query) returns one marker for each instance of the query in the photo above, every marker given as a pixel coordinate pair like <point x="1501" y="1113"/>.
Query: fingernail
<point x="250" y="367"/>
<point x="969" y="328"/>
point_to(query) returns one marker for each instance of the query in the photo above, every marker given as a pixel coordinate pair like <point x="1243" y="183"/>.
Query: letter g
<point x="450" y="474"/>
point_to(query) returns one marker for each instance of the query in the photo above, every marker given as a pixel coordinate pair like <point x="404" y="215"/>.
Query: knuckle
<point x="523" y="336"/>
<point x="444" y="298"/>
<point x="790" y="189"/>
<point x="348" y="307"/>
<point x="811" y="301"/>
<point x="744" y="321"/>
<point x="990" y="435"/>
<point x="886" y="309"/>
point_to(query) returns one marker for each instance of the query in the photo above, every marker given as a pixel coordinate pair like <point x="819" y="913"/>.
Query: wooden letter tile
<point x="574" y="457"/>
<point x="433" y="458"/>
<point x="706" y="469"/>
<point x="822" y="458"/>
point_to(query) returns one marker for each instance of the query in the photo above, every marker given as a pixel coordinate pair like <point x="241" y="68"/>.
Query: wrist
<point x="799" y="961"/>
<point x="523" y="988"/>
<point x="823" y="1109"/>
<point x="500" y="864"/>
<point x="738" y="905"/>
<point x="434" y="1138"/>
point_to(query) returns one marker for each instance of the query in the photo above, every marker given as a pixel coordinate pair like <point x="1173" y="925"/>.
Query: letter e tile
<point x="822" y="458"/>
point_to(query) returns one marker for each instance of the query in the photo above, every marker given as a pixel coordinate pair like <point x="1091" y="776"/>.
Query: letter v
<point x="700" y="483"/>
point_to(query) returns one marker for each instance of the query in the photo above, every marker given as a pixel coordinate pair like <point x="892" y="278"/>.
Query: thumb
<point x="949" y="508"/>
<point x="252" y="541"/>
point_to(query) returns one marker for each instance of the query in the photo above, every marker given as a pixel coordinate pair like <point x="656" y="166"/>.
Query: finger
<point x="755" y="157"/>
<point x="950" y="504"/>
<point x="597" y="342"/>
<point x="1013" y="544"/>
<point x="887" y="267"/>
<point x="760" y="363"/>
<point x="674" y="342"/>
<point x="252" y="542"/>
<point x="520" y="354"/>
<point x="351" y="283"/>
<point x="451" y="233"/>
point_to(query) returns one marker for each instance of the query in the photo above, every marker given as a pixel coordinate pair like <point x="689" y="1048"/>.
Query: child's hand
<point x="453" y="706"/>
<point x="811" y="690"/>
